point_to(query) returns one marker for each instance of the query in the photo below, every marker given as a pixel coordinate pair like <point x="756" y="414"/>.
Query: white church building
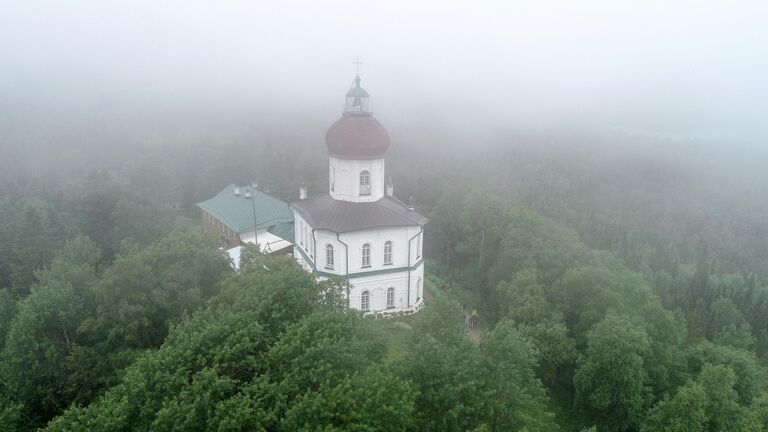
<point x="358" y="230"/>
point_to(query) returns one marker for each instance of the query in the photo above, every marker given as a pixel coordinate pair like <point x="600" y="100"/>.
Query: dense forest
<point x="617" y="290"/>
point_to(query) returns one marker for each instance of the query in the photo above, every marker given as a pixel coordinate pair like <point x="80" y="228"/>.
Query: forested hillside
<point x="618" y="290"/>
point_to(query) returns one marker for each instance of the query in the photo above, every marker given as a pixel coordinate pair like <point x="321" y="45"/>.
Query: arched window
<point x="366" y="255"/>
<point x="365" y="301"/>
<point x="390" y="298"/>
<point x="388" y="253"/>
<point x="365" y="183"/>
<point x="329" y="256"/>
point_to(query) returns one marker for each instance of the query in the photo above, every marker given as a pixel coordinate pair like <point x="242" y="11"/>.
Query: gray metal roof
<point x="324" y="212"/>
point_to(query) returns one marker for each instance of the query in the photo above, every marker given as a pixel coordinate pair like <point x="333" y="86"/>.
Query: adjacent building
<point x="240" y="215"/>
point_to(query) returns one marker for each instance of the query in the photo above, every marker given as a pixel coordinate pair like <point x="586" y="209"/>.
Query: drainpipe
<point x="346" y="264"/>
<point x="314" y="251"/>
<point x="408" y="300"/>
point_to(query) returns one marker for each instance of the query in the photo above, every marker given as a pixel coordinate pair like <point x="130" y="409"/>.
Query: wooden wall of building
<point x="218" y="229"/>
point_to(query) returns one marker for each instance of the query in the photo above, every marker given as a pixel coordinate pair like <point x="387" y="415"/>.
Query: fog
<point x="587" y="176"/>
<point x="674" y="69"/>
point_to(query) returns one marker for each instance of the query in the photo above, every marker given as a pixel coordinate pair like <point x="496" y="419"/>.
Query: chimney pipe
<point x="302" y="192"/>
<point x="237" y="190"/>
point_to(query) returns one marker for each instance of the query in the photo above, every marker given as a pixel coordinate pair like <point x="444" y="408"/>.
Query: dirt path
<point x="474" y="336"/>
<point x="402" y="325"/>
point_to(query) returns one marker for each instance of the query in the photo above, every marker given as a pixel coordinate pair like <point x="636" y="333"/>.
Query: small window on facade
<point x="388" y="253"/>
<point x="365" y="183"/>
<point x="365" y="301"/>
<point x="366" y="255"/>
<point x="329" y="256"/>
<point x="390" y="298"/>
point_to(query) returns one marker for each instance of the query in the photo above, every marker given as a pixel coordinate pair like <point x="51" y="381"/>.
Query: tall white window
<point x="418" y="247"/>
<point x="365" y="183"/>
<point x="329" y="256"/>
<point x="365" y="301"/>
<point x="388" y="253"/>
<point x="366" y="255"/>
<point x="390" y="298"/>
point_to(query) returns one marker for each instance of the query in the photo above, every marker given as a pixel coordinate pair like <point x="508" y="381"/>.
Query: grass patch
<point x="396" y="332"/>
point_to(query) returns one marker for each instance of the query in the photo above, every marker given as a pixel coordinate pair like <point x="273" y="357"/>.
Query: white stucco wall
<point x="377" y="289"/>
<point x="374" y="279"/>
<point x="399" y="236"/>
<point x="377" y="286"/>
<point x="344" y="178"/>
<point x="303" y="240"/>
<point x="381" y="276"/>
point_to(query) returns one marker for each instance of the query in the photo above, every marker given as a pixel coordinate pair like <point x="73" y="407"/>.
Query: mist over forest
<point x="593" y="174"/>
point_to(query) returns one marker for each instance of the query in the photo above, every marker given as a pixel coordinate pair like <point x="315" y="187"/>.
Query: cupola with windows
<point x="357" y="100"/>
<point x="356" y="144"/>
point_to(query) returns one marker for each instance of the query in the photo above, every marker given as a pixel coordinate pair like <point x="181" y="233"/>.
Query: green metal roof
<point x="357" y="91"/>
<point x="284" y="230"/>
<point x="237" y="211"/>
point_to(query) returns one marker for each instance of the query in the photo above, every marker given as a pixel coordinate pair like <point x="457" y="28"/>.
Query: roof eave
<point x="366" y="228"/>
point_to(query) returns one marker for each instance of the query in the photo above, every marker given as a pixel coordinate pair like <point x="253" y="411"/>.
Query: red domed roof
<point x="357" y="137"/>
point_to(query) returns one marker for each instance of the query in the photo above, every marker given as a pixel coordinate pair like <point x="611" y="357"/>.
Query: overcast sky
<point x="689" y="68"/>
